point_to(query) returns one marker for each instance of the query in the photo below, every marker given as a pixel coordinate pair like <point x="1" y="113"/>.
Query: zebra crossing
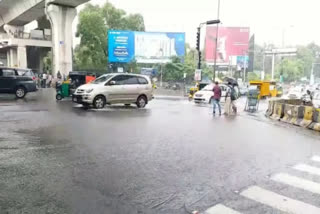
<point x="276" y="201"/>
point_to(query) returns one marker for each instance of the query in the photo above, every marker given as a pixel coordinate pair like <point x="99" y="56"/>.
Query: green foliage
<point x="94" y="22"/>
<point x="291" y="69"/>
<point x="47" y="63"/>
<point x="253" y="76"/>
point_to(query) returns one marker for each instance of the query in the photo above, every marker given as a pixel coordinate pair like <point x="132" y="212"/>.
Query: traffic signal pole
<point x="198" y="38"/>
<point x="198" y="47"/>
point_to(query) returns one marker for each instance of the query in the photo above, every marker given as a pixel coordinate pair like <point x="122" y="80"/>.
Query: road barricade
<point x="287" y="113"/>
<point x="307" y="116"/>
<point x="269" y="112"/>
<point x="304" y="116"/>
<point x="277" y="111"/>
<point x="315" y="125"/>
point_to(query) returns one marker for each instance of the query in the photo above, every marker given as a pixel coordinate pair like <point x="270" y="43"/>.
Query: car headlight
<point x="89" y="90"/>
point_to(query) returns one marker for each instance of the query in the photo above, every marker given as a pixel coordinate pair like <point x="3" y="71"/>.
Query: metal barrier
<point x="315" y="125"/>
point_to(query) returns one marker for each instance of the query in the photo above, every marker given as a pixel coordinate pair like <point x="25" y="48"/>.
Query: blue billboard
<point x="145" y="47"/>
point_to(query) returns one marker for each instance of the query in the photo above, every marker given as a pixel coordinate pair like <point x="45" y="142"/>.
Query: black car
<point x="13" y="83"/>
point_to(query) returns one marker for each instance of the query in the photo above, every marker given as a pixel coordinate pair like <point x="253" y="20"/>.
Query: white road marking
<point x="297" y="182"/>
<point x="307" y="168"/>
<point x="220" y="209"/>
<point x="316" y="158"/>
<point x="279" y="202"/>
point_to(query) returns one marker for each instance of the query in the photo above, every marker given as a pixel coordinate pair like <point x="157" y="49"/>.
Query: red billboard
<point x="232" y="42"/>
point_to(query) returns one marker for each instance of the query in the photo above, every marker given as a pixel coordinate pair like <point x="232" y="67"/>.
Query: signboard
<point x="120" y="69"/>
<point x="197" y="75"/>
<point x="120" y="46"/>
<point x="242" y="61"/>
<point x="232" y="41"/>
<point x="145" y="47"/>
<point x="149" y="71"/>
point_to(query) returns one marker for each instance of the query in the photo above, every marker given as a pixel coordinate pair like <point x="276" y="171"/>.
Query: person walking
<point x="49" y="81"/>
<point x="230" y="108"/>
<point x="216" y="98"/>
<point x="44" y="80"/>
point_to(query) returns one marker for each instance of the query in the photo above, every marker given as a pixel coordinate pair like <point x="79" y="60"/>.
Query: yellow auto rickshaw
<point x="267" y="88"/>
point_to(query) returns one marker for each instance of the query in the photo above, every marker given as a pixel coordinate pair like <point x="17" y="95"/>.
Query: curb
<point x="170" y="98"/>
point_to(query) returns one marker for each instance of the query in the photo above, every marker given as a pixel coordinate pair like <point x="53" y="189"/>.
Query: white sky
<point x="267" y="19"/>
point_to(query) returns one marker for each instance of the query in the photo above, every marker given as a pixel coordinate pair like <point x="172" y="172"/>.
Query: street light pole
<point x="216" y="48"/>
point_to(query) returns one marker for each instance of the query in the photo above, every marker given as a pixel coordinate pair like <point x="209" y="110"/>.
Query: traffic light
<point x="199" y="59"/>
<point x="198" y="39"/>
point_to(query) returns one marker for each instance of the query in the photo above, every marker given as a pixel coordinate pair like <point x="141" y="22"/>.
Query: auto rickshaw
<point x="275" y="89"/>
<point x="267" y="88"/>
<point x="75" y="79"/>
<point x="196" y="88"/>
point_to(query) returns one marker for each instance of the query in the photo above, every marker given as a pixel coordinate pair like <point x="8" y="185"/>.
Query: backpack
<point x="233" y="95"/>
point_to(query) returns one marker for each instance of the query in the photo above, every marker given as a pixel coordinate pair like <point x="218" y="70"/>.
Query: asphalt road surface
<point x="171" y="157"/>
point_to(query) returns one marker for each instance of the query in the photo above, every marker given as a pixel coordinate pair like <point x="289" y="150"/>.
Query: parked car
<point x="316" y="100"/>
<point x="26" y="73"/>
<point x="205" y="95"/>
<point x="13" y="83"/>
<point x="295" y="93"/>
<point x="115" y="88"/>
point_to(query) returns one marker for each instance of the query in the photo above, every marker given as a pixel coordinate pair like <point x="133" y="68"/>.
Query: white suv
<point x="115" y="88"/>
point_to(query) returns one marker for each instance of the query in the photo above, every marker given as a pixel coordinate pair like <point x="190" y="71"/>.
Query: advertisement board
<point x="144" y="47"/>
<point x="232" y="41"/>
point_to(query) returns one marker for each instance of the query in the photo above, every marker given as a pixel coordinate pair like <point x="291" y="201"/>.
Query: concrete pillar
<point x="61" y="19"/>
<point x="13" y="57"/>
<point x="22" y="56"/>
<point x="8" y="58"/>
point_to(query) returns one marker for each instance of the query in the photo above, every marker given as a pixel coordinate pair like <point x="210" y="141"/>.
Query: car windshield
<point x="208" y="88"/>
<point x="102" y="79"/>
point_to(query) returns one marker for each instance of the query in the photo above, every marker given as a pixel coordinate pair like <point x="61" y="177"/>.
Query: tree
<point x="307" y="56"/>
<point x="47" y="62"/>
<point x="291" y="69"/>
<point x="94" y="22"/>
<point x="173" y="71"/>
<point x="93" y="32"/>
<point x="253" y="76"/>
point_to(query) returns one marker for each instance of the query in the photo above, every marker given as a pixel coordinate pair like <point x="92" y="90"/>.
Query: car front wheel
<point x="99" y="102"/>
<point x="20" y="92"/>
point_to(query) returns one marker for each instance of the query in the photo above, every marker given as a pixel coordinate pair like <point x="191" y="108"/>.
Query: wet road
<point x="59" y="158"/>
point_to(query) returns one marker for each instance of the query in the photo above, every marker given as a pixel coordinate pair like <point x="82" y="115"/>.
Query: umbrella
<point x="231" y="80"/>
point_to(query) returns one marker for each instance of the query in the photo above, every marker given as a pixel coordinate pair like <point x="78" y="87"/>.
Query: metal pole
<point x="160" y="75"/>
<point x="283" y="32"/>
<point x="264" y="58"/>
<point x="244" y="69"/>
<point x="216" y="48"/>
<point x="272" y="70"/>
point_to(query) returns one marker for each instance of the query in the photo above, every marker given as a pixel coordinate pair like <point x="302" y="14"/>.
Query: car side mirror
<point x="112" y="82"/>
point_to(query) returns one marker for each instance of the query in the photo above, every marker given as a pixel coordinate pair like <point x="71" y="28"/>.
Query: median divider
<point x="297" y="115"/>
<point x="277" y="111"/>
<point x="306" y="120"/>
<point x="270" y="108"/>
<point x="293" y="112"/>
<point x="315" y="124"/>
<point x="287" y="113"/>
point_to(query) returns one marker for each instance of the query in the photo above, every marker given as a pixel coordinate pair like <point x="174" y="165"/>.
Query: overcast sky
<point x="269" y="20"/>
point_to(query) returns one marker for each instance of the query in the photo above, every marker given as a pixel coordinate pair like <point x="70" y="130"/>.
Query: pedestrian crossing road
<point x="277" y="202"/>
